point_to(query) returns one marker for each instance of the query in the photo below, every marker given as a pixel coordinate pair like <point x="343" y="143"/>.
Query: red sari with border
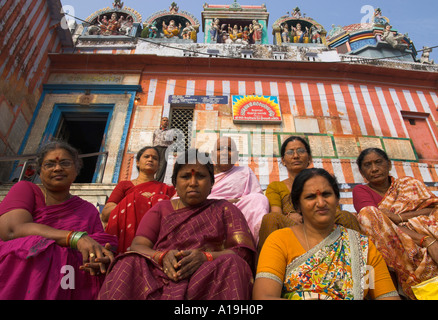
<point x="126" y="216"/>
<point x="214" y="225"/>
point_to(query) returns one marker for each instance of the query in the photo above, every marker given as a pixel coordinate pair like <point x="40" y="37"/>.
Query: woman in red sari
<point x="401" y="216"/>
<point x="190" y="248"/>
<point x="131" y="199"/>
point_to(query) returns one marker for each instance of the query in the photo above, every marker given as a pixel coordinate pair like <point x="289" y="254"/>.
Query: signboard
<point x="187" y="99"/>
<point x="260" y="109"/>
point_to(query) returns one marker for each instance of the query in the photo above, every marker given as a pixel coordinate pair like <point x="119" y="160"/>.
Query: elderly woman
<point x="48" y="235"/>
<point x="295" y="156"/>
<point x="319" y="259"/>
<point x="187" y="248"/>
<point x="401" y="216"/>
<point x="131" y="199"/>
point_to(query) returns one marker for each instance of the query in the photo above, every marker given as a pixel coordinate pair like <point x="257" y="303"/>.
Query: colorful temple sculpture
<point x="105" y="84"/>
<point x="235" y="23"/>
<point x="375" y="40"/>
<point x="298" y="29"/>
<point x="115" y="21"/>
<point x="171" y="26"/>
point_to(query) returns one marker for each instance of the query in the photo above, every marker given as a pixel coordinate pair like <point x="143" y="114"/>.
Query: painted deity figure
<point x="126" y="25"/>
<point x="425" y="57"/>
<point x="389" y="37"/>
<point x="113" y="25"/>
<point x="153" y="30"/>
<point x="296" y="13"/>
<point x="257" y="31"/>
<point x="103" y="24"/>
<point x="285" y="34"/>
<point x="235" y="33"/>
<point x="245" y="34"/>
<point x="378" y="18"/>
<point x="215" y="30"/>
<point x="117" y="4"/>
<point x="187" y="32"/>
<point x="300" y="35"/>
<point x="171" y="30"/>
<point x="315" y="33"/>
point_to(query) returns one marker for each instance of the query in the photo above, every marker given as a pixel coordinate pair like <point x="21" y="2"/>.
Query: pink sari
<point x="410" y="262"/>
<point x="126" y="216"/>
<point x="211" y="226"/>
<point x="36" y="268"/>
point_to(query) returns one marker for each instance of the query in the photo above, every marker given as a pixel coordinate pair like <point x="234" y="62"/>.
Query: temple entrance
<point x="85" y="132"/>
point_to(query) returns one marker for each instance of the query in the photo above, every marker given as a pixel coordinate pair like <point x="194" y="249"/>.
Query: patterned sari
<point x="410" y="262"/>
<point x="126" y="216"/>
<point x="334" y="269"/>
<point x="212" y="226"/>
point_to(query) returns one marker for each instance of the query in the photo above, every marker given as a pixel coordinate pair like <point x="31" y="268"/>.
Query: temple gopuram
<point x="104" y="83"/>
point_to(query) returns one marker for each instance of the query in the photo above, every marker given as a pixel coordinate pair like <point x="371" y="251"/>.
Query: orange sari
<point x="410" y="262"/>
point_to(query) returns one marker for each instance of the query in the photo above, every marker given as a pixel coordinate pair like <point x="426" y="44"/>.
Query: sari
<point x="279" y="195"/>
<point x="132" y="206"/>
<point x="335" y="269"/>
<point x="211" y="226"/>
<point x="36" y="268"/>
<point x="410" y="262"/>
<point x="241" y="183"/>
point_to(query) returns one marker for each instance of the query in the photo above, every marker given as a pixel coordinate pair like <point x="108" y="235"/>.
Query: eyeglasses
<point x="299" y="151"/>
<point x="51" y="165"/>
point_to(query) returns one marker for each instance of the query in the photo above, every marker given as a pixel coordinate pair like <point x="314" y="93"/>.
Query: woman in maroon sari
<point x="187" y="248"/>
<point x="131" y="199"/>
<point x="49" y="238"/>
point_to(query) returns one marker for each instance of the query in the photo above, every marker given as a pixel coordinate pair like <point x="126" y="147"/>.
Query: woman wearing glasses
<point x="52" y="244"/>
<point x="295" y="156"/>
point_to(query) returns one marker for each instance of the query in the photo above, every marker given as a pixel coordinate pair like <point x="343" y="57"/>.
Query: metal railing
<point x="31" y="159"/>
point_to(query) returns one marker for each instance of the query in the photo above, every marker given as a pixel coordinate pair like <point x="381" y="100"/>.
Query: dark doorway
<point x="85" y="132"/>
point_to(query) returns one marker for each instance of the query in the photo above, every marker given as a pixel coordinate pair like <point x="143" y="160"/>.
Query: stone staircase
<point x="96" y="193"/>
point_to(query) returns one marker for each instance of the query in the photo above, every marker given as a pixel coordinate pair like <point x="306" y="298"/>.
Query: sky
<point x="418" y="18"/>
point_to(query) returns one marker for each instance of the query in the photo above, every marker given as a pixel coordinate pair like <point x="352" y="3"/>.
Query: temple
<point x="104" y="83"/>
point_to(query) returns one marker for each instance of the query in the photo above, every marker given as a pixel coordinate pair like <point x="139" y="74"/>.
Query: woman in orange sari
<point x="401" y="216"/>
<point x="131" y="199"/>
<point x="318" y="259"/>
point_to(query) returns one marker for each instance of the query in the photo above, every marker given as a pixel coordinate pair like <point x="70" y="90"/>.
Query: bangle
<point x="75" y="238"/>
<point x="208" y="255"/>
<point x="160" y="259"/>
<point x="422" y="240"/>
<point x="67" y="239"/>
<point x="430" y="243"/>
<point x="153" y="257"/>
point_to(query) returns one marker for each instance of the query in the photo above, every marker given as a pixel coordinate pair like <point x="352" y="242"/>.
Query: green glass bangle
<point x="75" y="238"/>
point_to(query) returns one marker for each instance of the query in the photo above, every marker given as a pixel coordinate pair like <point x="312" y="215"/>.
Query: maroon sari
<point x="212" y="226"/>
<point x="126" y="216"/>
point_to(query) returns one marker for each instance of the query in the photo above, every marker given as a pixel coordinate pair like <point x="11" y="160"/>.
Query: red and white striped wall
<point x="341" y="108"/>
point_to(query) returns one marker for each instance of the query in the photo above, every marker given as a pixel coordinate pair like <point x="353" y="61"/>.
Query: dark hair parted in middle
<point x="293" y="138"/>
<point x="193" y="156"/>
<point x="303" y="177"/>
<point x="143" y="150"/>
<point x="367" y="151"/>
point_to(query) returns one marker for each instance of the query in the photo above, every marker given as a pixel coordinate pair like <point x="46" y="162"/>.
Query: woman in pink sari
<point x="130" y="200"/>
<point x="52" y="244"/>
<point x="190" y="248"/>
<point x="401" y="216"/>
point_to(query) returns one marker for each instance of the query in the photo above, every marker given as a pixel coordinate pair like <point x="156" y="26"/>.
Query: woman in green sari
<point x="319" y="259"/>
